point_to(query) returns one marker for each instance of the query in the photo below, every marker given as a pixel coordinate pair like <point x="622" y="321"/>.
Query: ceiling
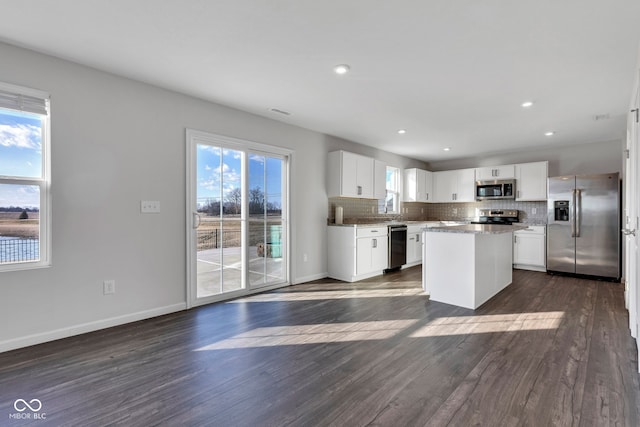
<point x="453" y="73"/>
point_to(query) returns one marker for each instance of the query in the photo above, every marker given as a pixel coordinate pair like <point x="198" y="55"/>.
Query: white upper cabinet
<point x="418" y="185"/>
<point x="379" y="180"/>
<point x="466" y="191"/>
<point x="428" y="186"/>
<point x="531" y="181"/>
<point x="350" y="175"/>
<point x="496" y="172"/>
<point x="445" y="185"/>
<point x="454" y="186"/>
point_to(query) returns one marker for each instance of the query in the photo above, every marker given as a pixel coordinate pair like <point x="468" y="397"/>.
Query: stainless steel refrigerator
<point x="583" y="225"/>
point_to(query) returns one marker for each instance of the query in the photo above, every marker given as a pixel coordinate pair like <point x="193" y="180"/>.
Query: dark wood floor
<point x="546" y="351"/>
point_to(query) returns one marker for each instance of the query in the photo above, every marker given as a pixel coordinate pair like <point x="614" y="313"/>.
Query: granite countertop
<point x="387" y="223"/>
<point x="534" y="222"/>
<point x="477" y="229"/>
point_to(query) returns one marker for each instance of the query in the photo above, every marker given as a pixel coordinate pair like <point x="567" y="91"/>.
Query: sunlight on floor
<point x="320" y="295"/>
<point x="491" y="323"/>
<point x="384" y="329"/>
<point x="313" y="334"/>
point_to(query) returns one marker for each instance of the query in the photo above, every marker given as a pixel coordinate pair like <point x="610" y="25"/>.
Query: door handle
<point x="628" y="232"/>
<point x="374" y="243"/>
<point x="359" y="190"/>
<point x="572" y="217"/>
<point x="196" y="220"/>
<point x="578" y="210"/>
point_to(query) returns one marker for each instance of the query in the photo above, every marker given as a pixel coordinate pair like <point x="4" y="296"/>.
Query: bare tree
<point x="256" y="200"/>
<point x="234" y="197"/>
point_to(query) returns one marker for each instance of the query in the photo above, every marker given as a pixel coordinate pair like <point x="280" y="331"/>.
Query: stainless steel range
<point x="497" y="216"/>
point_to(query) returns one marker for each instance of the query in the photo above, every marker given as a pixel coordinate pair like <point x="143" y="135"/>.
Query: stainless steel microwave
<point x="498" y="189"/>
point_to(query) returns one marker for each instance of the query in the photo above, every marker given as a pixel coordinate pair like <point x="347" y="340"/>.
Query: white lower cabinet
<point x="357" y="253"/>
<point x="529" y="248"/>
<point x="414" y="244"/>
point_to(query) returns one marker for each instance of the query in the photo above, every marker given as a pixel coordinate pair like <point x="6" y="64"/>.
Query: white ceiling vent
<point x="598" y="117"/>
<point x="277" y="110"/>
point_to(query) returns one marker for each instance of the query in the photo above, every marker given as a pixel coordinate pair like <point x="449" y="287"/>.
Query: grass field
<point x="12" y="226"/>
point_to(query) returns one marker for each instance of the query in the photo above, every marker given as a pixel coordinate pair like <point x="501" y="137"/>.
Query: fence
<point x="217" y="238"/>
<point x="19" y="250"/>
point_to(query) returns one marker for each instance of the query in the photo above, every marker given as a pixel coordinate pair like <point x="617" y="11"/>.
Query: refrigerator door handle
<point x="572" y="216"/>
<point x="578" y="209"/>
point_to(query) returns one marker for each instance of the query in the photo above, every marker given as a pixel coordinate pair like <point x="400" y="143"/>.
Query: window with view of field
<point x="24" y="177"/>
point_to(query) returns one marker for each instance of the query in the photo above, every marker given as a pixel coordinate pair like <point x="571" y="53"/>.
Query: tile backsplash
<point x="530" y="212"/>
<point x="358" y="210"/>
<point x="367" y="210"/>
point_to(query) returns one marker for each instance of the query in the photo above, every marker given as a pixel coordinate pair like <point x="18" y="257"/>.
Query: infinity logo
<point x="21" y="405"/>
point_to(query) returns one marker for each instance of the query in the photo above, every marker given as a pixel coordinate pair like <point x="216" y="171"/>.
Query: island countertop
<point x="476" y="229"/>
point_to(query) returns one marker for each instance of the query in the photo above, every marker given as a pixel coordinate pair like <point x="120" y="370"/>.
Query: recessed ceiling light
<point x="341" y="69"/>
<point x="447" y="149"/>
<point x="402" y="131"/>
<point x="550" y="133"/>
<point x="527" y="104"/>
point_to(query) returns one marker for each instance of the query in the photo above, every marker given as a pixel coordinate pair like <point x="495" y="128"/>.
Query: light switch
<point x="150" y="206"/>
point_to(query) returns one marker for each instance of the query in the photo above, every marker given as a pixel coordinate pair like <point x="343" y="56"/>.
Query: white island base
<point x="466" y="265"/>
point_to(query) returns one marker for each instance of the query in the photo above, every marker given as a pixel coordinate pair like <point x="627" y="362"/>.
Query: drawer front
<point x="371" y="231"/>
<point x="533" y="229"/>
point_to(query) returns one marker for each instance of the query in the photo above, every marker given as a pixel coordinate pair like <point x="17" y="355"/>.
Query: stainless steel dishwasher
<point x="397" y="246"/>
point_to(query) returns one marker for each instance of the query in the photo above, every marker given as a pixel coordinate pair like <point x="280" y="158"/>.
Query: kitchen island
<point x="466" y="265"/>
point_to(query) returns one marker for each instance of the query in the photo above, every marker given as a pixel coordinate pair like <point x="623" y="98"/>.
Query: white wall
<point x="116" y="142"/>
<point x="600" y="157"/>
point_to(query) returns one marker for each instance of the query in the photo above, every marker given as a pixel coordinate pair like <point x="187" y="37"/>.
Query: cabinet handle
<point x="374" y="231"/>
<point x="427" y="196"/>
<point x="374" y="243"/>
<point x="518" y="194"/>
<point x="418" y="238"/>
<point x="411" y="238"/>
<point x="515" y="239"/>
<point x="359" y="190"/>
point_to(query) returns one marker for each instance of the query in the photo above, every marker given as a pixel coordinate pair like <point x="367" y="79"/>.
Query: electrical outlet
<point x="109" y="287"/>
<point x="150" y="206"/>
<point x="455" y="211"/>
<point x="421" y="210"/>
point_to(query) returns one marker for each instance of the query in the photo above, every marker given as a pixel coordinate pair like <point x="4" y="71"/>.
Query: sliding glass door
<point x="266" y="228"/>
<point x="236" y="214"/>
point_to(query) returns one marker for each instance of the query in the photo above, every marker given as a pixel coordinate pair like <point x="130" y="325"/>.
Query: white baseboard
<point x="310" y="278"/>
<point x="57" y="334"/>
<point x="530" y="267"/>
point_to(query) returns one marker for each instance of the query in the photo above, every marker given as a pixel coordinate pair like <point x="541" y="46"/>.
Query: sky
<point x="20" y="156"/>
<point x="220" y="170"/>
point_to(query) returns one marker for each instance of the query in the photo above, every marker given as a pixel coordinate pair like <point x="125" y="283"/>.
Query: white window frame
<point x="44" y="182"/>
<point x="395" y="192"/>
